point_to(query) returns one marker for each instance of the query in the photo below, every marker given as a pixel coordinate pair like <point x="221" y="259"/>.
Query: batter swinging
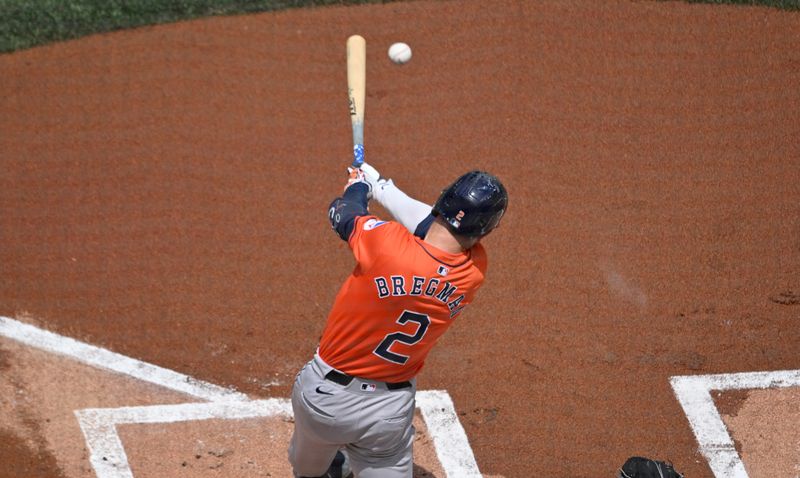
<point x="357" y="393"/>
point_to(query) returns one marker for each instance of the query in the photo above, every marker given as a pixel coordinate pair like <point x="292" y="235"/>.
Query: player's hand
<point x="375" y="180"/>
<point x="356" y="175"/>
<point x="371" y="174"/>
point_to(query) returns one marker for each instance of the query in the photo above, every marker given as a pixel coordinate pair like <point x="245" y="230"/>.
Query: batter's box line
<point x="108" y="458"/>
<point x="99" y="425"/>
<point x="107" y="360"/>
<point x="694" y="394"/>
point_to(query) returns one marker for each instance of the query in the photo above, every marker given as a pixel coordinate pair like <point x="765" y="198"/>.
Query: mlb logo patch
<point x="442" y="271"/>
<point x="368" y="387"/>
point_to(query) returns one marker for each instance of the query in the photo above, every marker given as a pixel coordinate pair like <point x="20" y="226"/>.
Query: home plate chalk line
<point x="694" y="394"/>
<point x="99" y="425"/>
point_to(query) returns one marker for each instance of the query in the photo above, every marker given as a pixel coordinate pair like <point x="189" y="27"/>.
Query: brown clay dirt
<point x="766" y="432"/>
<point x="164" y="194"/>
<point x="25" y="460"/>
<point x="39" y="393"/>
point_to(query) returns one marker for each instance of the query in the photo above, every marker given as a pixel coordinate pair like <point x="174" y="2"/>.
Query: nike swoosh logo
<point x="319" y="390"/>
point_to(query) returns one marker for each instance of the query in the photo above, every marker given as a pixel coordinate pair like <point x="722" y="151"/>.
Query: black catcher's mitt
<point x="638" y="467"/>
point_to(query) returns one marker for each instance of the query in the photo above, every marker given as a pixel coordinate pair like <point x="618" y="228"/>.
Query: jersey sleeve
<point x="372" y="235"/>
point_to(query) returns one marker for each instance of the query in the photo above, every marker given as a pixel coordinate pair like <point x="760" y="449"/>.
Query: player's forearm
<point x="344" y="210"/>
<point x="406" y="210"/>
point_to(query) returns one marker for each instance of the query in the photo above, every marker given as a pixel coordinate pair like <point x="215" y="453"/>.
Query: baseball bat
<point x="356" y="90"/>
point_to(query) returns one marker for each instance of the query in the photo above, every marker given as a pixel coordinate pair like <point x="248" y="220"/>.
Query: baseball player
<point x="411" y="281"/>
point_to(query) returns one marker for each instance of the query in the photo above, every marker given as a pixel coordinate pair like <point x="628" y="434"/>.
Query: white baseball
<point x="400" y="53"/>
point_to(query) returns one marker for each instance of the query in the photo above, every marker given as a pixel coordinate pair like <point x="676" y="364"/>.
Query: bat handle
<point x="358" y="143"/>
<point x="358" y="155"/>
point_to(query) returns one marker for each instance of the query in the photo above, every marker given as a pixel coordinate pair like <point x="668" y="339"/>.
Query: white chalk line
<point x="105" y="359"/>
<point x="694" y="394"/>
<point x="110" y="461"/>
<point x="99" y="425"/>
<point x="449" y="438"/>
<point x="107" y="453"/>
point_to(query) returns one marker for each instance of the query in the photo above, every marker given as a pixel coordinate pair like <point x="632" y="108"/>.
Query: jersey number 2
<point x="383" y="351"/>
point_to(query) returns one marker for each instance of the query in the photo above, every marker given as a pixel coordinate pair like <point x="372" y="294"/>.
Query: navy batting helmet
<point x="473" y="205"/>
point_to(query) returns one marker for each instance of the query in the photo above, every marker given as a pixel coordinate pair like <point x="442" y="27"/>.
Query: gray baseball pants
<point x="372" y="423"/>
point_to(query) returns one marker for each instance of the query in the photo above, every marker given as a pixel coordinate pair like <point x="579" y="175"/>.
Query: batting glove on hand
<point x="356" y="175"/>
<point x="376" y="182"/>
<point x="371" y="174"/>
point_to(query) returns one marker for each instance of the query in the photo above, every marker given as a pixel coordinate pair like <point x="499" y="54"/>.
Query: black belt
<point x="344" y="379"/>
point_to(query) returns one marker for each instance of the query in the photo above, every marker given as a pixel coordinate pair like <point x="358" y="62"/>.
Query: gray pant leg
<point x="400" y="464"/>
<point x="373" y="423"/>
<point x="311" y="449"/>
<point x="385" y="449"/>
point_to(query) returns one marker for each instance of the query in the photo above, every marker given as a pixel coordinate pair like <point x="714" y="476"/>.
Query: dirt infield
<point x="164" y="195"/>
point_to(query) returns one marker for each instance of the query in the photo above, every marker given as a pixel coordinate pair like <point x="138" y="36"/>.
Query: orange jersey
<point x="401" y="297"/>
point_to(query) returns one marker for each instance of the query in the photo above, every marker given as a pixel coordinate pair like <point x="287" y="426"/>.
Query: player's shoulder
<point x="373" y="226"/>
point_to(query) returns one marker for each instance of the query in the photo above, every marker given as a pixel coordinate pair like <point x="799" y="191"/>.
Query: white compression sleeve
<point x="406" y="210"/>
